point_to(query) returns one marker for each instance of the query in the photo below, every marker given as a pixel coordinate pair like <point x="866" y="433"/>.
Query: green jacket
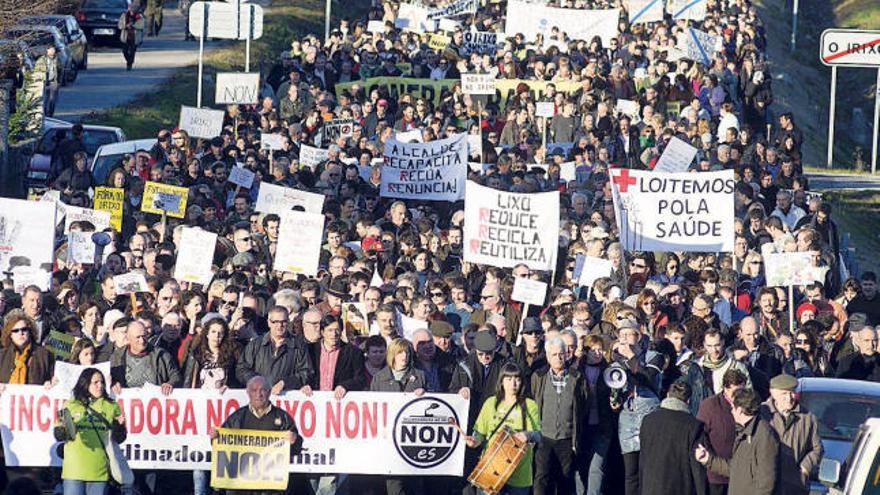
<point x="84" y="457"/>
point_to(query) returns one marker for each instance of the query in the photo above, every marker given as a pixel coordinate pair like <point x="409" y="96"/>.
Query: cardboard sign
<point x="279" y="199"/>
<point x="299" y="242"/>
<point x="164" y="198"/>
<point x="478" y="84"/>
<point x="238" y="88"/>
<point x="195" y="256"/>
<point x="337" y="128"/>
<point x="60" y="344"/>
<point x="658" y="211"/>
<point x="456" y="8"/>
<point x="242" y="177"/>
<point x="67" y="374"/>
<point x="226" y="20"/>
<point x="27" y="235"/>
<point x="250" y="460"/>
<point x="531" y="19"/>
<point x="355" y="319"/>
<point x="130" y="283"/>
<point x="593" y="269"/>
<point x="271" y="141"/>
<point x="645" y="10"/>
<point x="795" y="269"/>
<point x="628" y="107"/>
<point x="545" y="109"/>
<point x="100" y="219"/>
<point x="54" y="197"/>
<point x="375" y="27"/>
<point x="111" y="200"/>
<point x="677" y="157"/>
<point x="529" y="291"/>
<point x="482" y="42"/>
<point x="414" y="18"/>
<point x="438" y="41"/>
<point x="80" y="248"/>
<point x="504" y="229"/>
<point x="434" y="171"/>
<point x="201" y="122"/>
<point x="311" y="157"/>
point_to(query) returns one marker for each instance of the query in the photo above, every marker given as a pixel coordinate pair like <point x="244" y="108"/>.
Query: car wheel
<point x="85" y="61"/>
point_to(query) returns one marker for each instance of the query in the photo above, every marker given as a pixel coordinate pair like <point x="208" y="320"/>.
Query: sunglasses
<point x="436" y="294"/>
<point x="802" y="341"/>
<point x="20" y="330"/>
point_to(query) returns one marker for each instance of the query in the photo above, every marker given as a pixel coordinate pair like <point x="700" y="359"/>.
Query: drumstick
<point x="452" y="422"/>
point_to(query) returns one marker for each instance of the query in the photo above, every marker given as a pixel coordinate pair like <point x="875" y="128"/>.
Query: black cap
<point x="485" y="342"/>
<point x="532" y="325"/>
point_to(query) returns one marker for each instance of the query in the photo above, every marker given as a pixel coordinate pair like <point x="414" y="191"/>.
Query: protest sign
<point x="699" y="46"/>
<point x="658" y="211"/>
<point x="409" y="325"/>
<point x="171" y="432"/>
<point x="299" y="242"/>
<point x="791" y="269"/>
<point x="375" y="27"/>
<point x="628" y="107"/>
<point x="434" y="171"/>
<point x="195" y="256"/>
<point x="529" y="291"/>
<point x="250" y="460"/>
<point x="80" y="248"/>
<point x="482" y="42"/>
<point x="354" y="319"/>
<point x="504" y="229"/>
<point x="438" y="41"/>
<point x="478" y="84"/>
<point x="111" y="200"/>
<point x="201" y="122"/>
<point x="311" y="157"/>
<point x="428" y="89"/>
<point x="475" y="145"/>
<point x="456" y="8"/>
<point x="545" y="109"/>
<point x="337" y="128"/>
<point x="242" y="177"/>
<point x="54" y="197"/>
<point x="59" y="344"/>
<point x="27" y="234"/>
<point x="271" y="141"/>
<point x="593" y="269"/>
<point x="413" y="18"/>
<point x="237" y="88"/>
<point x="413" y="136"/>
<point x="692" y="10"/>
<point x="67" y="374"/>
<point x="130" y="283"/>
<point x="645" y="10"/>
<point x="279" y="199"/>
<point x="532" y="19"/>
<point x="677" y="156"/>
<point x="162" y="198"/>
<point x="24" y="276"/>
<point x="100" y="219"/>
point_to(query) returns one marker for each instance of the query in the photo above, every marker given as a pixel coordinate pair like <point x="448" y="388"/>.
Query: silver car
<point x="39" y="39"/>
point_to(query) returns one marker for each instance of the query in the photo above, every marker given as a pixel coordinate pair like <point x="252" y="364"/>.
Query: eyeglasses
<point x="244" y="239"/>
<point x="436" y="294"/>
<point x="483" y="298"/>
<point x="232" y="303"/>
<point x="20" y="330"/>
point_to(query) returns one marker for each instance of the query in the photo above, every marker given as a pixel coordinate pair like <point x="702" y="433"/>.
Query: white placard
<point x="699" y="46"/>
<point x="100" y="219"/>
<point x="241" y="88"/>
<point x="645" y="10"/>
<point x="531" y="19"/>
<point x="195" y="256"/>
<point x="478" y="84"/>
<point x="529" y="291"/>
<point x="692" y="10"/>
<point x="54" y="197"/>
<point x="131" y="282"/>
<point x="201" y="122"/>
<point x="475" y="145"/>
<point x="434" y="171"/>
<point x="24" y="276"/>
<point x="225" y="21"/>
<point x="796" y="269"/>
<point x="375" y="27"/>
<point x="545" y="109"/>
<point x="67" y="374"/>
<point x="677" y="156"/>
<point x="271" y="141"/>
<point x="279" y="199"/>
<point x="299" y="242"/>
<point x="80" y="248"/>
<point x="242" y="177"/>
<point x="688" y="212"/>
<point x="414" y="18"/>
<point x="505" y="229"/>
<point x="628" y="107"/>
<point x="456" y="8"/>
<point x="27" y="235"/>
<point x="594" y="269"/>
<point x="311" y="157"/>
<point x="337" y="128"/>
<point x="413" y="136"/>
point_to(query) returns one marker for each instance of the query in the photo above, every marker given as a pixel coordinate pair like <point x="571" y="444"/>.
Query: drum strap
<point x="501" y="423"/>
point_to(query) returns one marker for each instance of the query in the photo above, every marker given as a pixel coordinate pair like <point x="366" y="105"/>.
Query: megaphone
<point x="615" y="376"/>
<point x="101" y="240"/>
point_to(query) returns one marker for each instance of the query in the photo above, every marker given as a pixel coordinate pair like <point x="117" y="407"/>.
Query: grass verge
<point x="856" y="212"/>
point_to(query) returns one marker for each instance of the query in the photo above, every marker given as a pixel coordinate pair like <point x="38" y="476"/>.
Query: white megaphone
<point x="615" y="376"/>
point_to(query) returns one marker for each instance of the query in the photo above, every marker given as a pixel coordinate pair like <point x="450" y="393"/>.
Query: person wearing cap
<point x="447" y="350"/>
<point x="529" y="354"/>
<point x="337" y="293"/>
<point x="798" y="432"/>
<point x="493" y="303"/>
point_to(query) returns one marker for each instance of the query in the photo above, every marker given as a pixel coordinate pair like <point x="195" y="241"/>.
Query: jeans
<point x="631" y="473"/>
<point x="200" y="482"/>
<point x="591" y="462"/>
<point x="50" y="98"/>
<point x="77" y="487"/>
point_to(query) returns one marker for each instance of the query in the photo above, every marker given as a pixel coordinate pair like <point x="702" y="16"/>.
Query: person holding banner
<point x="23" y="360"/>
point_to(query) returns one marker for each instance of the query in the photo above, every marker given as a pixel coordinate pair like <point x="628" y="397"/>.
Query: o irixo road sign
<point x="226" y="20"/>
<point x="850" y="47"/>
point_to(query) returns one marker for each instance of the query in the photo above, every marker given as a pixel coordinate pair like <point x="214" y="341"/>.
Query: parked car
<point x="859" y="474"/>
<point x="39" y="39"/>
<point x="110" y="155"/>
<point x="55" y="131"/>
<point x="99" y="18"/>
<point x="841" y="407"/>
<point x="73" y="35"/>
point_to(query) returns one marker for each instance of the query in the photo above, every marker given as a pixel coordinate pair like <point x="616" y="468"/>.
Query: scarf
<point x="19" y="373"/>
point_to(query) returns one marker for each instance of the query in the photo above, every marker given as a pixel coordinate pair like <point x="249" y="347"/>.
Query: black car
<point x="99" y="19"/>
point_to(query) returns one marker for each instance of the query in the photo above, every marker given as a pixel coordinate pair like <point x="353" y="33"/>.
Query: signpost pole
<point x="202" y="36"/>
<point x="522" y="320"/>
<point x="794" y="13"/>
<point x="876" y="122"/>
<point x="327" y="8"/>
<point x="162" y="235"/>
<point x="831" y="116"/>
<point x="480" y="127"/>
<point x="791" y="309"/>
<point x="247" y="41"/>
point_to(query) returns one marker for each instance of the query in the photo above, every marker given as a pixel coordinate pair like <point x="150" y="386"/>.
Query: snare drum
<point x="498" y="462"/>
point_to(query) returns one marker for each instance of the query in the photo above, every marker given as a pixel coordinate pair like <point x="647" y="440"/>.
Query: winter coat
<point x="581" y="391"/>
<point x="667" y="465"/>
<point x="720" y="430"/>
<point x="348" y="372"/>
<point x="290" y="363"/>
<point x="754" y="465"/>
<point x="383" y="381"/>
<point x="800" y="446"/>
<point x="40" y="364"/>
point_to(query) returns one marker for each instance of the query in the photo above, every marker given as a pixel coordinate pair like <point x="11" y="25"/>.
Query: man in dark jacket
<point x="753" y="468"/>
<point x="719" y="426"/>
<point x="277" y="356"/>
<point x="861" y="365"/>
<point x="562" y="397"/>
<point x="338" y="365"/>
<point x="668" y="436"/>
<point x="139" y="363"/>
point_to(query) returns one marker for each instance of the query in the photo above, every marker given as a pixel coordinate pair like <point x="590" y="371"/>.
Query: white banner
<point x="530" y="19"/>
<point x="699" y="46"/>
<point x="414" y="18"/>
<point x="195" y="256"/>
<point x="402" y="433"/>
<point x="692" y="10"/>
<point x="241" y="88"/>
<point x="201" y="122"/>
<point x="299" y="242"/>
<point x="311" y="157"/>
<point x="677" y="156"/>
<point x="478" y="84"/>
<point x="279" y="199"/>
<point x="594" y="269"/>
<point x="658" y="211"/>
<point x="784" y="269"/>
<point x="271" y="141"/>
<point x="434" y="171"/>
<point x="482" y="42"/>
<point x="67" y="374"/>
<point x="645" y="10"/>
<point x="458" y="7"/>
<point x="27" y="234"/>
<point x="100" y="219"/>
<point x="504" y="229"/>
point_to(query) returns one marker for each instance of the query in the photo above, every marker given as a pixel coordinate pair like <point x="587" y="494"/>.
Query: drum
<point x="498" y="462"/>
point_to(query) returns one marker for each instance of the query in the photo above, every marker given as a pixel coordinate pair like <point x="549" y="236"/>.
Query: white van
<point x="860" y="473"/>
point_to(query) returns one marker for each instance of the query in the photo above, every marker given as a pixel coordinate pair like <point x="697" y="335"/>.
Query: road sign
<point x="226" y="20"/>
<point x="850" y="47"/>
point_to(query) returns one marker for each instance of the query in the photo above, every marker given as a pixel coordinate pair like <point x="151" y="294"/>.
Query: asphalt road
<point x="107" y="84"/>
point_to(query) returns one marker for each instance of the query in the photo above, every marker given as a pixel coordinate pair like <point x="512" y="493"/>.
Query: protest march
<point x="503" y="247"/>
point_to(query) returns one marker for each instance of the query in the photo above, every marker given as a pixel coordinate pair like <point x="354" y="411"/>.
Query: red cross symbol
<point x="623" y="180"/>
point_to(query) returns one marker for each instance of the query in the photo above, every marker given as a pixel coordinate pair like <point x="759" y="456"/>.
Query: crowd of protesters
<point x="710" y="357"/>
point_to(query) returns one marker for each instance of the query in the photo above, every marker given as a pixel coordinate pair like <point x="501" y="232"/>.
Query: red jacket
<point x="720" y="429"/>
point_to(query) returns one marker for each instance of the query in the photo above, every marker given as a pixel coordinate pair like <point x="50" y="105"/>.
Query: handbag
<point x="117" y="464"/>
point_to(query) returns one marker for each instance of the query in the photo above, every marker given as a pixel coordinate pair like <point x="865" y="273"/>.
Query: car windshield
<point x="840" y="415"/>
<point x="104" y="164"/>
<point x="105" y="4"/>
<point x="33" y="38"/>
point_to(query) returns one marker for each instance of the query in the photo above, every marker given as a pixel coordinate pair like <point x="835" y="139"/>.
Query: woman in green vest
<point x="85" y="470"/>
<point x="510" y="407"/>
